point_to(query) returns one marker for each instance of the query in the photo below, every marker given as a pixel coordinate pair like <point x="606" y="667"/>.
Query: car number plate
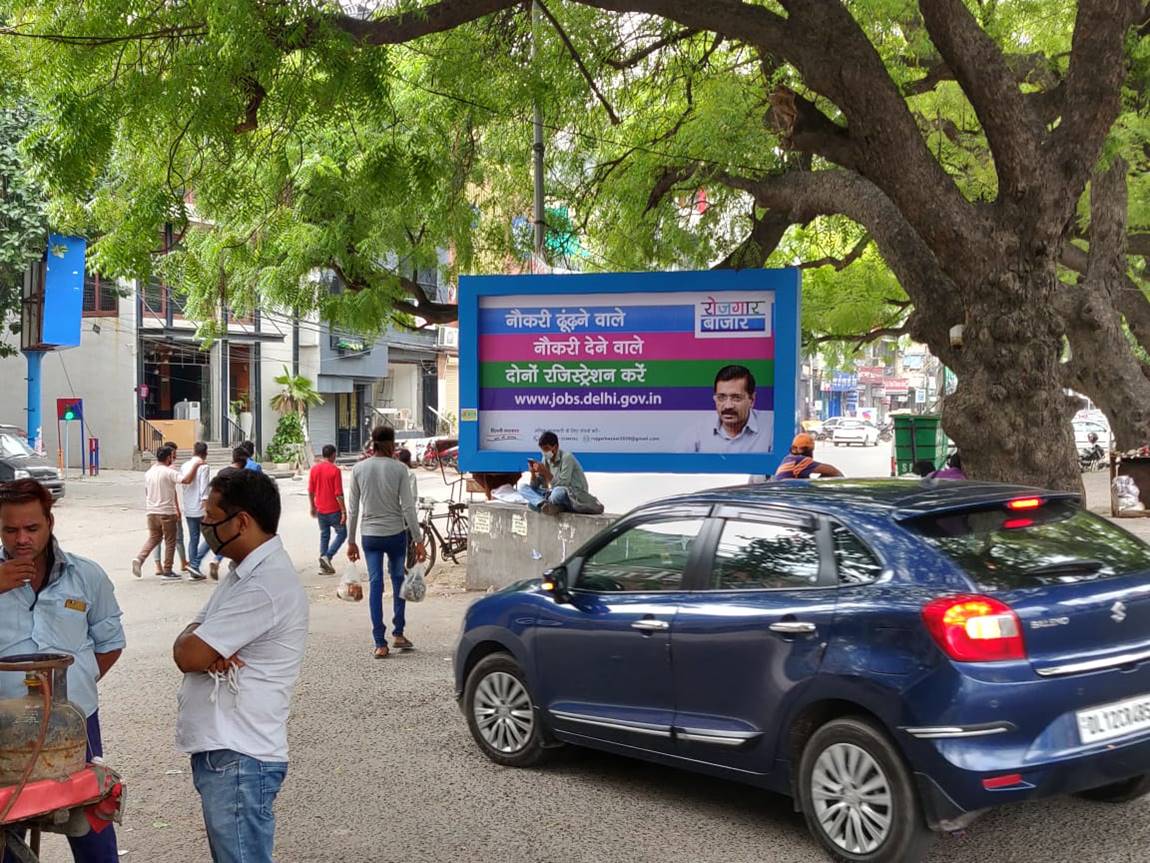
<point x="1114" y="720"/>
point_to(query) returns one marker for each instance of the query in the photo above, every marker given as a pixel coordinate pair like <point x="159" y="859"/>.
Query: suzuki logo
<point x="1118" y="611"/>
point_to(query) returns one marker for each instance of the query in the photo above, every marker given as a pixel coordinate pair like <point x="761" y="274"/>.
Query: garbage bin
<point x="918" y="438"/>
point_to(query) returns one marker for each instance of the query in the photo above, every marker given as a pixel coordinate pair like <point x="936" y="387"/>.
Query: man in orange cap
<point x="800" y="464"/>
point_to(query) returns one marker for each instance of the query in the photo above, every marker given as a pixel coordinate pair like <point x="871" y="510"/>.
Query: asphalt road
<point x="383" y="768"/>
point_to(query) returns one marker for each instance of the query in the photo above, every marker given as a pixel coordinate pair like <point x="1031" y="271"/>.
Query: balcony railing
<point x="148" y="437"/>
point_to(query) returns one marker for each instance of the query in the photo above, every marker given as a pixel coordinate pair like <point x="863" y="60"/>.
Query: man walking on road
<point x="163" y="511"/>
<point x="241" y="658"/>
<point x="325" y="491"/>
<point x="239" y="459"/>
<point x="51" y="601"/>
<point x="194" y="485"/>
<point x="381" y="491"/>
<point x="181" y="551"/>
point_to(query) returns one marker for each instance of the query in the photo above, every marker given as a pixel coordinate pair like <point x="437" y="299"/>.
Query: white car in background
<point x="851" y="432"/>
<point x="1083" y="428"/>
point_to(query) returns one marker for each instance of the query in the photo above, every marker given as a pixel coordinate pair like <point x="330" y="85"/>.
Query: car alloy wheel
<point x="852" y="798"/>
<point x="503" y="712"/>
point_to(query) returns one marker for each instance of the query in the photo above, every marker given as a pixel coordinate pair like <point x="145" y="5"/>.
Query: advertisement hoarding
<point x="623" y="367"/>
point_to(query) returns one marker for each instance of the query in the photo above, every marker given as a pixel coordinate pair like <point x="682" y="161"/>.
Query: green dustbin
<point x="918" y="438"/>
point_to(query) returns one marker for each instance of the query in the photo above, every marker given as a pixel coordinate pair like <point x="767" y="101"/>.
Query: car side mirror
<point x="555" y="583"/>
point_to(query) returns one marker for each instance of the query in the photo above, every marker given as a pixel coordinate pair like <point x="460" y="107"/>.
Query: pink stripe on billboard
<point x="647" y="346"/>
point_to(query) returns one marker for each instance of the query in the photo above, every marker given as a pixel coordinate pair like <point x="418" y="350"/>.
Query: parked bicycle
<point x="452" y="541"/>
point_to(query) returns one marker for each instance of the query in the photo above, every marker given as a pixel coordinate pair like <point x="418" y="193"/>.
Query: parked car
<point x="898" y="657"/>
<point x="851" y="432"/>
<point x="19" y="461"/>
<point x="828" y="427"/>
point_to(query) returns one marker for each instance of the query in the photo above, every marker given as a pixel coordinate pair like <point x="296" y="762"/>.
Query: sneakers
<point x="325" y="565"/>
<point x="171" y="576"/>
<point x="137" y="568"/>
<point x="194" y="572"/>
<point x="214" y="570"/>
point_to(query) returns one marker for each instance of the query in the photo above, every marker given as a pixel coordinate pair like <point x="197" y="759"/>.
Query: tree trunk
<point x="1010" y="416"/>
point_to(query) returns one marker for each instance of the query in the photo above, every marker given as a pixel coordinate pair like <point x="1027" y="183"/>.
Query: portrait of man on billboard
<point x="736" y="427"/>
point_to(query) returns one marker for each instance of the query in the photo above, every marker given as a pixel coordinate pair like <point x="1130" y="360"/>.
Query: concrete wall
<point x="510" y="542"/>
<point x="101" y="371"/>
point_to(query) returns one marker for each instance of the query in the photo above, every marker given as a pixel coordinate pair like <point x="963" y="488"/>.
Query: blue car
<point x="898" y="657"/>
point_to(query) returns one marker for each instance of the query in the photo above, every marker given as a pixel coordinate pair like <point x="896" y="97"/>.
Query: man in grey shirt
<point x="381" y="494"/>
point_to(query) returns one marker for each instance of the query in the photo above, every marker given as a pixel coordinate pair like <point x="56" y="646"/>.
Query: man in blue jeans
<point x="381" y="493"/>
<point x="57" y="602"/>
<point x="241" y="658"/>
<point x="194" y="485"/>
<point x="325" y="491"/>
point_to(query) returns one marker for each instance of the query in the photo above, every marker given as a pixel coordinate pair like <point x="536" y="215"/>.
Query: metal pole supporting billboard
<point x="34" y="358"/>
<point x="540" y="221"/>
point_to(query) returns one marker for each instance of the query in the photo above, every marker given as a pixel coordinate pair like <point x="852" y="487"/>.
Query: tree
<point x="961" y="138"/>
<point x="23" y="226"/>
<point x="294" y="399"/>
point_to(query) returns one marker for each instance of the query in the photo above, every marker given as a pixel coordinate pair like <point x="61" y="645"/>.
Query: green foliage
<point x="23" y="226"/>
<point x="285" y="445"/>
<point x="297" y="394"/>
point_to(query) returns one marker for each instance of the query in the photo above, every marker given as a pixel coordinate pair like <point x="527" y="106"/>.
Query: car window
<point x="1058" y="543"/>
<point x="645" y="558"/>
<point x="854" y="561"/>
<point x="760" y="556"/>
<point x="13" y="447"/>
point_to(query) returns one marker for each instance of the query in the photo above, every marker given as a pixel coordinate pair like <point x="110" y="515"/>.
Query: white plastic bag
<point x="1127" y="495"/>
<point x="414" y="587"/>
<point x="349" y="587"/>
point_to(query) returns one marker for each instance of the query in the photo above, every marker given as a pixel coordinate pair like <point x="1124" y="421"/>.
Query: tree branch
<point x="256" y="94"/>
<point x="981" y="70"/>
<point x="842" y="263"/>
<point x="805" y="128"/>
<point x="643" y="53"/>
<point x="1092" y="101"/>
<point x="406" y="26"/>
<point x="860" y="339"/>
<point x="766" y="233"/>
<point x="583" y="70"/>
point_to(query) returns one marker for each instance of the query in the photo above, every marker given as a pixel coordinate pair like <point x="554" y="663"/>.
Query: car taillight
<point x="974" y="628"/>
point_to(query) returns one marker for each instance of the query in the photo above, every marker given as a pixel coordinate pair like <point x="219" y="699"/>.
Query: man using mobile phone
<point x="558" y="483"/>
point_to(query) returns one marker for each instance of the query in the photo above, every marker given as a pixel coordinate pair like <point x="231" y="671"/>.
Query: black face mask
<point x="211" y="534"/>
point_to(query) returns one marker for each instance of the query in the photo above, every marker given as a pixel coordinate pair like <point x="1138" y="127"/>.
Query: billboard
<point x="63" y="290"/>
<point x="690" y="372"/>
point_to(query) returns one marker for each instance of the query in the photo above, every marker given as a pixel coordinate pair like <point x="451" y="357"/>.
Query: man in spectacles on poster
<point x="738" y="427"/>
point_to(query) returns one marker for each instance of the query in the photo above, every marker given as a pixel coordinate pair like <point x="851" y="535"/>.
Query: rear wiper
<point x="1068" y="567"/>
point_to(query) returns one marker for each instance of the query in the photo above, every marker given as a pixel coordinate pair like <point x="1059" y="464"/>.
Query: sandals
<point x="381" y="652"/>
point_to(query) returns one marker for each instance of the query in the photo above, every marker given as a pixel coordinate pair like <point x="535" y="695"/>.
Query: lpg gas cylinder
<point x="63" y="748"/>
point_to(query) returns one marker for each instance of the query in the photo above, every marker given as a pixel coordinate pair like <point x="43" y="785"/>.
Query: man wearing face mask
<point x="241" y="657"/>
<point x="52" y="601"/>
<point x="558" y="483"/>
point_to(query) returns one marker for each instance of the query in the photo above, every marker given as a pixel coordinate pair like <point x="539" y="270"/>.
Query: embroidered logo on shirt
<point x="76" y="604"/>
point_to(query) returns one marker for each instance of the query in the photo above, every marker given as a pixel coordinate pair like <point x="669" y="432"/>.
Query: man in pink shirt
<point x="163" y="510"/>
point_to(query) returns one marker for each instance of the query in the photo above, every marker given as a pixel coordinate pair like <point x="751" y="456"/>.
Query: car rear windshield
<point x="1057" y="543"/>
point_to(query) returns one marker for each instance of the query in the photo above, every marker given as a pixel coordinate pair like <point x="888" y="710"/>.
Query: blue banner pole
<point x="34" y="359"/>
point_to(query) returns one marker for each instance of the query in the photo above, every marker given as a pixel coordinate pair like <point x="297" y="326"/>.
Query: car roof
<point x="899" y="499"/>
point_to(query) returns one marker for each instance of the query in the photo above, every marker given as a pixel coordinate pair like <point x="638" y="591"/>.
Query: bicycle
<point x="454" y="543"/>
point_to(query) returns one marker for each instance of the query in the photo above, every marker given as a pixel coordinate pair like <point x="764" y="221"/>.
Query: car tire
<point x="511" y="738"/>
<point x="1119" y="792"/>
<point x="860" y="754"/>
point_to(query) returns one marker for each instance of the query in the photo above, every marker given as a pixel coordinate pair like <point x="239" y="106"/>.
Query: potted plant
<point x="295" y="398"/>
<point x="284" y="450"/>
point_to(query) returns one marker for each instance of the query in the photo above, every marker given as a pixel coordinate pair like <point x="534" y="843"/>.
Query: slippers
<point x="381" y="652"/>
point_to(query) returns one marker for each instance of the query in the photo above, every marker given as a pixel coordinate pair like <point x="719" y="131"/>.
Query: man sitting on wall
<point x="558" y="483"/>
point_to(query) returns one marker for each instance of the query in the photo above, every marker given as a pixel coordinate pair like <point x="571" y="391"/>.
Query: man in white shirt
<point x="241" y="657"/>
<point x="194" y="482"/>
<point x="163" y="511"/>
<point x="737" y="427"/>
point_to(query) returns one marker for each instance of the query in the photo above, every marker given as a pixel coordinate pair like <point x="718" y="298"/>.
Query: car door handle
<point x="651" y="625"/>
<point x="793" y="627"/>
